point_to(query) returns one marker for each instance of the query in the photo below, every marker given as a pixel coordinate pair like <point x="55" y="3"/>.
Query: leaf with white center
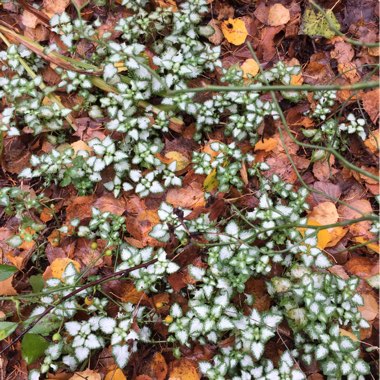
<point x="195" y="325"/>
<point x="202" y="311"/>
<point x="82" y="353"/>
<point x="93" y="342"/>
<point x="176" y="311"/>
<point x="26" y="173"/>
<point x="232" y="229"/>
<point x="225" y="324"/>
<point x="160" y="233"/>
<point x="107" y="325"/>
<point x="73" y="327"/>
<point x="204" y="366"/>
<point x="321" y="352"/>
<point x="272" y="320"/>
<point x="257" y="349"/>
<point x="322" y="262"/>
<point x="255" y="317"/>
<point x="135" y="175"/>
<point x="172" y="267"/>
<point x="297" y="375"/>
<point x="266" y="333"/>
<point x="361" y="367"/>
<point x="182" y="336"/>
<point x="346" y="344"/>
<point x="121" y="355"/>
<point x="109" y="71"/>
<point x="196" y="272"/>
<point x="329" y="368"/>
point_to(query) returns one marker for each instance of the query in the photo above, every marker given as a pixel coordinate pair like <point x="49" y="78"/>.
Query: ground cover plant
<point x="189" y="190"/>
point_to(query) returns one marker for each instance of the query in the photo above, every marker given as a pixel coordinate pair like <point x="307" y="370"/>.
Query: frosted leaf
<point x="121" y="355"/>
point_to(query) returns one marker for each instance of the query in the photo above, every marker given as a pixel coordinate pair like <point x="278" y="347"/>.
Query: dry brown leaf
<point x="46" y="215"/>
<point x="111" y="204"/>
<point x="132" y="295"/>
<point x="88" y="374"/>
<point x="267" y="144"/>
<point x="183" y="369"/>
<point x="29" y="19"/>
<point x="325" y="213"/>
<point x="363" y="267"/>
<point x="217" y="37"/>
<point x="166" y="4"/>
<point x="235" y="31"/>
<point x="348" y="70"/>
<point x="370" y="101"/>
<point x="370" y="309"/>
<point x="356" y="209"/>
<point x="278" y="15"/>
<point x="372" y="143"/>
<point x="191" y="196"/>
<point x="52" y="7"/>
<point x="352" y="336"/>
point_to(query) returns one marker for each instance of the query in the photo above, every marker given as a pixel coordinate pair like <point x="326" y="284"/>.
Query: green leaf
<point x="46" y="325"/>
<point x="6" y="329"/>
<point x="6" y="271"/>
<point x="37" y="283"/>
<point x="315" y="23"/>
<point x="33" y="347"/>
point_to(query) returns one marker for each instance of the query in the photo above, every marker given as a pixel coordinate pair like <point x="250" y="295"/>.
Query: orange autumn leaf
<point x="373" y="246"/>
<point x="157" y="367"/>
<point x="80" y="145"/>
<point x="349" y="334"/>
<point x="6" y="287"/>
<point x="250" y="67"/>
<point x="88" y="374"/>
<point x="115" y="374"/>
<point x="59" y="265"/>
<point x="132" y="295"/>
<point x="235" y="31"/>
<point x="183" y="369"/>
<point x="370" y="309"/>
<point x="267" y="144"/>
<point x="46" y="215"/>
<point x="372" y="143"/>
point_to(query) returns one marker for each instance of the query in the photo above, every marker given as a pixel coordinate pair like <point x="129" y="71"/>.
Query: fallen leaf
<point x="349" y="334"/>
<point x="132" y="295"/>
<point x="373" y="246"/>
<point x="348" y="70"/>
<point x="191" y="196"/>
<point x="315" y="24"/>
<point x="370" y="309"/>
<point x="29" y="19"/>
<point x="323" y="236"/>
<point x="370" y="101"/>
<point x="354" y="210"/>
<point x="217" y="37"/>
<point x="88" y="374"/>
<point x="183" y="369"/>
<point x="324" y="213"/>
<point x="278" y="15"/>
<point x="181" y="160"/>
<point x="115" y="374"/>
<point x="6" y="287"/>
<point x="52" y="7"/>
<point x="157" y="367"/>
<point x="372" y="143"/>
<point x="235" y="31"/>
<point x="46" y="215"/>
<point x="166" y="4"/>
<point x="363" y="267"/>
<point x="267" y="144"/>
<point x="210" y="183"/>
<point x="80" y="145"/>
<point x="58" y="266"/>
<point x="250" y="67"/>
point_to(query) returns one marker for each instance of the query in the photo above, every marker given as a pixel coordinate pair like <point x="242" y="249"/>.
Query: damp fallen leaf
<point x="250" y="67"/>
<point x="157" y="367"/>
<point x="6" y="287"/>
<point x="372" y="143"/>
<point x="370" y="309"/>
<point x="372" y="246"/>
<point x="80" y="145"/>
<point x="234" y="30"/>
<point x="278" y="15"/>
<point x="210" y="183"/>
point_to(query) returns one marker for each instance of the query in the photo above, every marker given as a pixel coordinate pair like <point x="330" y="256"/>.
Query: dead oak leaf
<point x="52" y="7"/>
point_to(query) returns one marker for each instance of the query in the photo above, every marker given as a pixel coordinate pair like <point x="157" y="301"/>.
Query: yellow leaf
<point x="210" y="183"/>
<point x="372" y="246"/>
<point x="323" y="236"/>
<point x="278" y="15"/>
<point x="115" y="374"/>
<point x="181" y="160"/>
<point x="267" y="144"/>
<point x="250" y="67"/>
<point x="336" y="234"/>
<point x="349" y="334"/>
<point x="59" y="265"/>
<point x="183" y="369"/>
<point x="235" y="31"/>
